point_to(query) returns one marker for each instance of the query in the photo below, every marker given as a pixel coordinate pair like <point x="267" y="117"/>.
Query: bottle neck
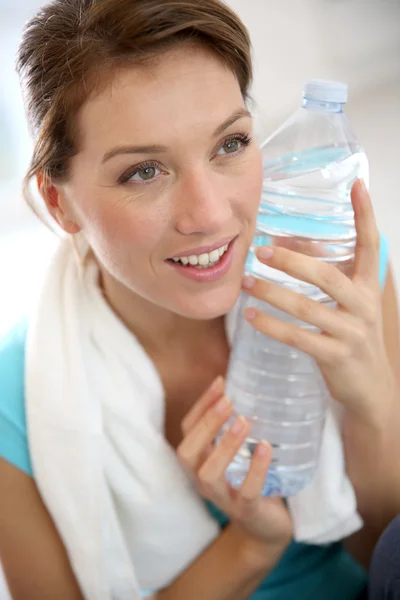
<point x="321" y="106"/>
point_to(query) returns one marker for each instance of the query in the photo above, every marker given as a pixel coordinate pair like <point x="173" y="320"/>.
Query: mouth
<point x="203" y="260"/>
<point x="206" y="266"/>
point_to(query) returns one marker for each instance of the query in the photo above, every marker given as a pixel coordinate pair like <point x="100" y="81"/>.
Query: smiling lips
<point x="203" y="261"/>
<point x="205" y="267"/>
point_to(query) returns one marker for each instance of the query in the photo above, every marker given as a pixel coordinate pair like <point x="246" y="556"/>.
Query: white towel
<point x="326" y="510"/>
<point x="128" y="515"/>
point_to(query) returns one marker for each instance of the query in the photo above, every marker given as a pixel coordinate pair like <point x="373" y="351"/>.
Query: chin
<point x="211" y="306"/>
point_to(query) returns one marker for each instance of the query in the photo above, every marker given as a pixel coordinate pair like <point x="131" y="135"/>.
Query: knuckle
<point x="209" y="419"/>
<point x="292" y="336"/>
<point x="360" y="335"/>
<point x="341" y="355"/>
<point x="369" y="301"/>
<point x="204" y="492"/>
<point x="327" y="275"/>
<point x="371" y="314"/>
<point x="246" y="506"/>
<point x="213" y="419"/>
<point x="209" y="425"/>
<point x="183" y="455"/>
<point x="206" y="481"/>
<point x="229" y="443"/>
<point x="306" y="310"/>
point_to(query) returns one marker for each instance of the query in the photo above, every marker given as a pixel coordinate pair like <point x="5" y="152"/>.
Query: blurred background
<point x="356" y="41"/>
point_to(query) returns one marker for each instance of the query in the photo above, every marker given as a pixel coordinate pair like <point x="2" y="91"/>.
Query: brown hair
<point x="70" y="44"/>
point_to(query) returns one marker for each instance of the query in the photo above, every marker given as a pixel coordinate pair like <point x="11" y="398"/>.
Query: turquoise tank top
<point x="305" y="572"/>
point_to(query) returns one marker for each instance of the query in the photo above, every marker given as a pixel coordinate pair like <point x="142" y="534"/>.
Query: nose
<point x="201" y="203"/>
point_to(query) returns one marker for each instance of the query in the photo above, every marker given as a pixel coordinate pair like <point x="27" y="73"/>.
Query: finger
<point x="317" y="272"/>
<point x="248" y="495"/>
<point x="211" y="475"/>
<point x="336" y="323"/>
<point x="195" y="444"/>
<point x="325" y="349"/>
<point x="210" y="397"/>
<point x="366" y="266"/>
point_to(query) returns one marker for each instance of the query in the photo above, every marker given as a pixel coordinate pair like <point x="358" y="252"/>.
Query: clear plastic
<point x="310" y="165"/>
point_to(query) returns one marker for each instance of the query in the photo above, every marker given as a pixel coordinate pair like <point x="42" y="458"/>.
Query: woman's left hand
<point x="350" y="350"/>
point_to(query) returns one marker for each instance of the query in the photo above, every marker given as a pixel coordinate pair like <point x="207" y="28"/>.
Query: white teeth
<point x="204" y="259"/>
<point x="214" y="256"/>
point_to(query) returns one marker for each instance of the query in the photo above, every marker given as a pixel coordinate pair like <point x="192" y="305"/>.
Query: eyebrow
<point x="157" y="149"/>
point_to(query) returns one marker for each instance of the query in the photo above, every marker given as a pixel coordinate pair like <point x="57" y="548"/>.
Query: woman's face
<point x="167" y="169"/>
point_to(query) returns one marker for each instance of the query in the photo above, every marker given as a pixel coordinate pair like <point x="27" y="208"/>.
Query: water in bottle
<point x="310" y="165"/>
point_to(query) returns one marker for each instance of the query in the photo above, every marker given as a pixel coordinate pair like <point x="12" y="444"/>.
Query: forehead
<point x="185" y="91"/>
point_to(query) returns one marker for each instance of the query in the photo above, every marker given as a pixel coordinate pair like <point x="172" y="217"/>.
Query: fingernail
<point x="250" y="314"/>
<point x="363" y="187"/>
<point x="262" y="449"/>
<point x="248" y="282"/>
<point x="222" y="405"/>
<point x="264" y="252"/>
<point x="238" y="426"/>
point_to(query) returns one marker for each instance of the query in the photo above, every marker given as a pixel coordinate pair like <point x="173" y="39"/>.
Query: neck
<point x="154" y="326"/>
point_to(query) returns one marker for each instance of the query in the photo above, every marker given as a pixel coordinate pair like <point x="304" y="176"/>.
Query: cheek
<point x="122" y="233"/>
<point x="250" y="188"/>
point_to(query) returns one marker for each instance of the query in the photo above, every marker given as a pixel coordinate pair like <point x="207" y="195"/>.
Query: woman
<point x="145" y="158"/>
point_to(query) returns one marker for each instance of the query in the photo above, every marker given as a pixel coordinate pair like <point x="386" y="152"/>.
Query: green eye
<point x="234" y="145"/>
<point x="147" y="173"/>
<point x="231" y="146"/>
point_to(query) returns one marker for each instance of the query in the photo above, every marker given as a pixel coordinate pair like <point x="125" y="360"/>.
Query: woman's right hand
<point x="265" y="520"/>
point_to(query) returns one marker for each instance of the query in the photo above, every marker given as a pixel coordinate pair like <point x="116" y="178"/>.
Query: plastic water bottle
<point x="310" y="164"/>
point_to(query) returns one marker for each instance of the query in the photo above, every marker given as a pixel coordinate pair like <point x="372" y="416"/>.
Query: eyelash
<point x="245" y="140"/>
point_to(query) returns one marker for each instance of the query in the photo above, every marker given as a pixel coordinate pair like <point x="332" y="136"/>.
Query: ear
<point x="56" y="203"/>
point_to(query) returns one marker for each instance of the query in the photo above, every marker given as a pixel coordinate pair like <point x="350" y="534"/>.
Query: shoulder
<point x="13" y="437"/>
